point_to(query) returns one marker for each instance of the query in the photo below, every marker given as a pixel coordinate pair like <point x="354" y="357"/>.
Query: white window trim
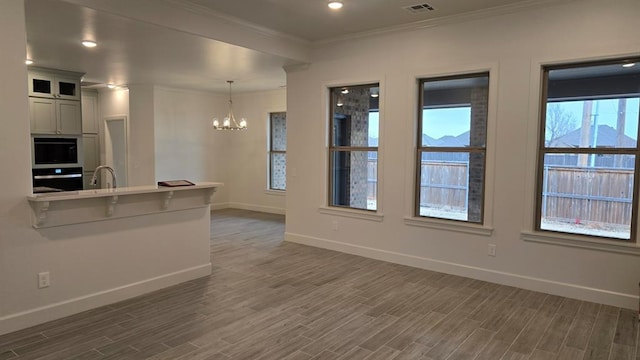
<point x="486" y="228"/>
<point x="325" y="208"/>
<point x="351" y="213"/>
<point x="275" y="192"/>
<point x="528" y="232"/>
<point x="567" y="240"/>
<point x="450" y="225"/>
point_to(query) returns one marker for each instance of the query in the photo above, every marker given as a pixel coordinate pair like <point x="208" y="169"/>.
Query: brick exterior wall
<point x="477" y="138"/>
<point x="356" y="107"/>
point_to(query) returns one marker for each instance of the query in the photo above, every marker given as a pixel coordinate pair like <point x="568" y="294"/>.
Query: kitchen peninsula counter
<point x="74" y="207"/>
<point x="106" y="245"/>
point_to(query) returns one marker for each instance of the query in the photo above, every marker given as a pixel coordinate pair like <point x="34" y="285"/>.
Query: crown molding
<point x="186" y="17"/>
<point x="296" y="67"/>
<point x="220" y="16"/>
<point x="452" y="19"/>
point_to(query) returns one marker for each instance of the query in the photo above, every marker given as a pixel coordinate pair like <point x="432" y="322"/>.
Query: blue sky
<point x="607" y="113"/>
<point x="446" y="121"/>
<point x="455" y="121"/>
<point x="374" y="121"/>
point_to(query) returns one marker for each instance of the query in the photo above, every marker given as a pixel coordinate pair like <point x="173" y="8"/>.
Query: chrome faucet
<point x="94" y="178"/>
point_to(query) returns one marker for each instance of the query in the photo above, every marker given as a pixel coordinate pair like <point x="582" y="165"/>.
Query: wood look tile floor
<point x="268" y="299"/>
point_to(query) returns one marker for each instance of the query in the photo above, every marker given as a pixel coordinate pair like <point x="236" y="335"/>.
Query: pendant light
<point x="229" y="122"/>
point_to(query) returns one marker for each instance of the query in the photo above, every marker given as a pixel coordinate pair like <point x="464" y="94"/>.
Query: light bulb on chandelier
<point x="229" y="122"/>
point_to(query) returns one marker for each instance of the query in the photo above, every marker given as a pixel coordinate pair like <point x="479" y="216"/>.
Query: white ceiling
<point x="312" y="20"/>
<point x="199" y="44"/>
<point x="134" y="52"/>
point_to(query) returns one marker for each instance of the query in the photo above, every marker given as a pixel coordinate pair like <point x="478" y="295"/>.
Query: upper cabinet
<point x="50" y="116"/>
<point x="48" y="84"/>
<point x="90" y="112"/>
<point x="54" y="102"/>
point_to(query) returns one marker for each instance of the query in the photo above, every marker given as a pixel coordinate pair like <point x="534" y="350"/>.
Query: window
<point x="278" y="151"/>
<point x="451" y="152"/>
<point x="353" y="148"/>
<point x="588" y="149"/>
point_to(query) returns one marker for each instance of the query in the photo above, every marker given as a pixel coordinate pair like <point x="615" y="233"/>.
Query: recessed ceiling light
<point x="375" y="95"/>
<point x="28" y="61"/>
<point x="335" y="5"/>
<point x="111" y="86"/>
<point x="345" y="91"/>
<point x="628" y="65"/>
<point x="89" y="43"/>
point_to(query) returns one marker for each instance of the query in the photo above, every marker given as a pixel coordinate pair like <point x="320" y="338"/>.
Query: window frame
<point x="542" y="150"/>
<point x="331" y="148"/>
<point x="271" y="151"/>
<point x="420" y="149"/>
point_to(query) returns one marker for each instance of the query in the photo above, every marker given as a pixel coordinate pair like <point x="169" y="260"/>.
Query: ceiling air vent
<point x="419" y="8"/>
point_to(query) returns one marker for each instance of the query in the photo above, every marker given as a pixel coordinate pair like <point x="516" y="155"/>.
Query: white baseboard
<point x="64" y="308"/>
<point x="220" y="206"/>
<point x="250" y="207"/>
<point x="628" y="301"/>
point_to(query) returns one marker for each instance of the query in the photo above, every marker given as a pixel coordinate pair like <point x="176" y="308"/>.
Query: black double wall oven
<point x="57" y="163"/>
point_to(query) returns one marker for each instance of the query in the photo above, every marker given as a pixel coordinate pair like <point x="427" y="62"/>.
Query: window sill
<point x="458" y="226"/>
<point x="275" y="192"/>
<point x="580" y="242"/>
<point x="356" y="214"/>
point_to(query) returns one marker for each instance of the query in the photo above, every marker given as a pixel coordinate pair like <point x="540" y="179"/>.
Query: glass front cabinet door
<point x="43" y="84"/>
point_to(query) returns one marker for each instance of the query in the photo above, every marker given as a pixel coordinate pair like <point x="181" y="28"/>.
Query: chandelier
<point x="229" y="122"/>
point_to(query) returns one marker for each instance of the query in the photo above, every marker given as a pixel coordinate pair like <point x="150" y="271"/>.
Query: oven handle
<point x="69" y="176"/>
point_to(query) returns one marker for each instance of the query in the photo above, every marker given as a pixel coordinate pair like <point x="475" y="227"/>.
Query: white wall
<point x="248" y="155"/>
<point x="112" y="103"/>
<point x="150" y="252"/>
<point x="141" y="135"/>
<point x="14" y="155"/>
<point x="512" y="47"/>
<point x="186" y="145"/>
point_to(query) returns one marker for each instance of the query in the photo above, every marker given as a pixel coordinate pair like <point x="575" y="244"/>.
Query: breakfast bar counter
<point x="75" y="207"/>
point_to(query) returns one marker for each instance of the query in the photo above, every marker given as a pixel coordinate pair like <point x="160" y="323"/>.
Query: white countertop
<point x="131" y="190"/>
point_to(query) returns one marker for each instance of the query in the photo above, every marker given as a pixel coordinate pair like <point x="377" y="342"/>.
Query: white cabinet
<point x="90" y="112"/>
<point x="91" y="150"/>
<point x="90" y="136"/>
<point x="69" y="117"/>
<point x="54" y="102"/>
<point x="42" y="113"/>
<point x="50" y="116"/>
<point x="55" y="85"/>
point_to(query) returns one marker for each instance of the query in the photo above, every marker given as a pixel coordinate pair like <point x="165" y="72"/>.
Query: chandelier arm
<point x="230" y="119"/>
<point x="230" y="115"/>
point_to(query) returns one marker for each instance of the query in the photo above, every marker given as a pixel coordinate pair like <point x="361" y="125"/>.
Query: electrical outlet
<point x="334" y="225"/>
<point x="492" y="250"/>
<point x="43" y="280"/>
